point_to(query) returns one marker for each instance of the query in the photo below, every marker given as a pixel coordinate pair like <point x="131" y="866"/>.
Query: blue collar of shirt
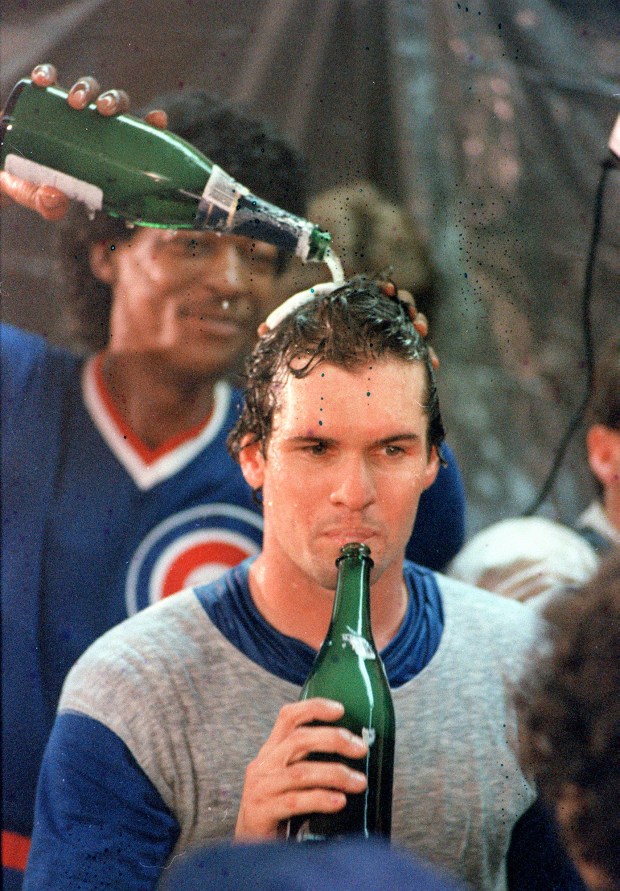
<point x="230" y="607"/>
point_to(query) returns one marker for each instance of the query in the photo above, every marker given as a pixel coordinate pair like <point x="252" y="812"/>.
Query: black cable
<point x="586" y="317"/>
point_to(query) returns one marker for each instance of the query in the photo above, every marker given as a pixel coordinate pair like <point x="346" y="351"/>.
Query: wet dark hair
<point x="569" y="706"/>
<point x="249" y="150"/>
<point x="352" y="324"/>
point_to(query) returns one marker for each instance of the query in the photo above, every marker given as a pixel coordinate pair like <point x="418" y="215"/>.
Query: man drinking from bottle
<point x="182" y="725"/>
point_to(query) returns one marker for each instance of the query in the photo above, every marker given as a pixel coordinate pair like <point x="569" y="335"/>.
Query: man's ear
<point x="101" y="260"/>
<point x="432" y="468"/>
<point x="252" y="462"/>
<point x="601" y="443"/>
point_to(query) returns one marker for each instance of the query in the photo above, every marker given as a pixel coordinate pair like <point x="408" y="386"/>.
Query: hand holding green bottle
<point x="281" y="783"/>
<point x="326" y="769"/>
<point x="48" y="201"/>
<point x="136" y="172"/>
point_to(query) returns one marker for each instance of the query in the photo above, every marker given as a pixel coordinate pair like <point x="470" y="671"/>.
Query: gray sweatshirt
<point x="194" y="711"/>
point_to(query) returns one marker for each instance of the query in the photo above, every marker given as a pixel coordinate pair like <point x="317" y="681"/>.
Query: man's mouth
<point x="212" y="319"/>
<point x="342" y="535"/>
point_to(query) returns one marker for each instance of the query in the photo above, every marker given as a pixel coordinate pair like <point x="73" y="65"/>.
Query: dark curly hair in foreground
<point x="570" y="707"/>
<point x="354" y="323"/>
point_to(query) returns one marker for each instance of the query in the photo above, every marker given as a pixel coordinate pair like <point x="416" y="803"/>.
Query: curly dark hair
<point x="249" y="150"/>
<point x="353" y="323"/>
<point x="570" y="710"/>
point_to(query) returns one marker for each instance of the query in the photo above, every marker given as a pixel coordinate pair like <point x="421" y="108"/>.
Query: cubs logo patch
<point x="193" y="547"/>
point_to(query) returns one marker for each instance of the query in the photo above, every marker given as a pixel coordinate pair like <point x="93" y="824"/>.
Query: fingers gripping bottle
<point x="348" y="669"/>
<point x="128" y="169"/>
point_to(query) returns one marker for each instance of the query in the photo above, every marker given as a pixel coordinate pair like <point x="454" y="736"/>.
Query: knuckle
<point x="289" y="715"/>
<point x="24" y="192"/>
<point x="299" y="772"/>
<point x="295" y="802"/>
<point x="252" y="770"/>
<point x="307" y="739"/>
<point x="288" y="709"/>
<point x="157" y="118"/>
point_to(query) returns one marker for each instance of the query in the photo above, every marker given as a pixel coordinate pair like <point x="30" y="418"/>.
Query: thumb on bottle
<point x="46" y="200"/>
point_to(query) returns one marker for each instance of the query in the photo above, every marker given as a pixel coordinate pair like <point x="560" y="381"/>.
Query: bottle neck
<point x="351" y="611"/>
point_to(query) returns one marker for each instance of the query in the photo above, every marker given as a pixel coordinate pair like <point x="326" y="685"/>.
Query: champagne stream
<point x="335" y="267"/>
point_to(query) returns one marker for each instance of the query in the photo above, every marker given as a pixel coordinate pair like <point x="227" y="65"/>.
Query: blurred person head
<point x="570" y="711"/>
<point x="249" y="150"/>
<point x="349" y="865"/>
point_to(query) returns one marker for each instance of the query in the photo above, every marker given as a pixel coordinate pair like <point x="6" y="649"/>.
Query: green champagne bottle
<point x="131" y="170"/>
<point x="348" y="669"/>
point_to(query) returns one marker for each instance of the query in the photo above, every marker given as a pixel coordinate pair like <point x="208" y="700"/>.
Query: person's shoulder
<point x="502" y="629"/>
<point x="464" y="592"/>
<point x="470" y="599"/>
<point x="522" y="557"/>
<point x="20" y="348"/>
<point x="140" y="669"/>
<point x="27" y="343"/>
<point x="24" y="353"/>
<point x="11" y="335"/>
<point x="140" y="650"/>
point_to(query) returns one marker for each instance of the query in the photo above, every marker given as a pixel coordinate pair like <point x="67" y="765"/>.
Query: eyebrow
<point x="400" y="437"/>
<point x="300" y="440"/>
<point x="388" y="440"/>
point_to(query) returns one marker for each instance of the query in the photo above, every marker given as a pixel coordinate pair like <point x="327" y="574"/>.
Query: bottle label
<point x="40" y="175"/>
<point x="221" y="193"/>
<point x="303" y="245"/>
<point x="305" y="834"/>
<point x="359" y="645"/>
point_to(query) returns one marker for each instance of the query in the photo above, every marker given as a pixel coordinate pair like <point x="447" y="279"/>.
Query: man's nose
<point x="354" y="487"/>
<point x="228" y="270"/>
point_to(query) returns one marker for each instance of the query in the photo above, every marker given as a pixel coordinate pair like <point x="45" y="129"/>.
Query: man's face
<point x="191" y="299"/>
<point x="347" y="460"/>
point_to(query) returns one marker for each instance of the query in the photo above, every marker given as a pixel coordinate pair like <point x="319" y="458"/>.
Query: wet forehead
<point x="186" y="238"/>
<point x="380" y="397"/>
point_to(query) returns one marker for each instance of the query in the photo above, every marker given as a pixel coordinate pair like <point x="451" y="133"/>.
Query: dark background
<point x="488" y="120"/>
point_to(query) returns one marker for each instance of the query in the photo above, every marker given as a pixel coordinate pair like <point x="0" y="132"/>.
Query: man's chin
<point x="208" y="358"/>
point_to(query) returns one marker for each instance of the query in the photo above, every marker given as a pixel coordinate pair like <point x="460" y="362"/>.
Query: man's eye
<point x="394" y="450"/>
<point x="191" y="247"/>
<point x="197" y="247"/>
<point x="317" y="448"/>
<point x="260" y="259"/>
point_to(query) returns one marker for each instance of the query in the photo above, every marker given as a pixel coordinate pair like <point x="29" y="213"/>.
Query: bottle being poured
<point x="149" y="177"/>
